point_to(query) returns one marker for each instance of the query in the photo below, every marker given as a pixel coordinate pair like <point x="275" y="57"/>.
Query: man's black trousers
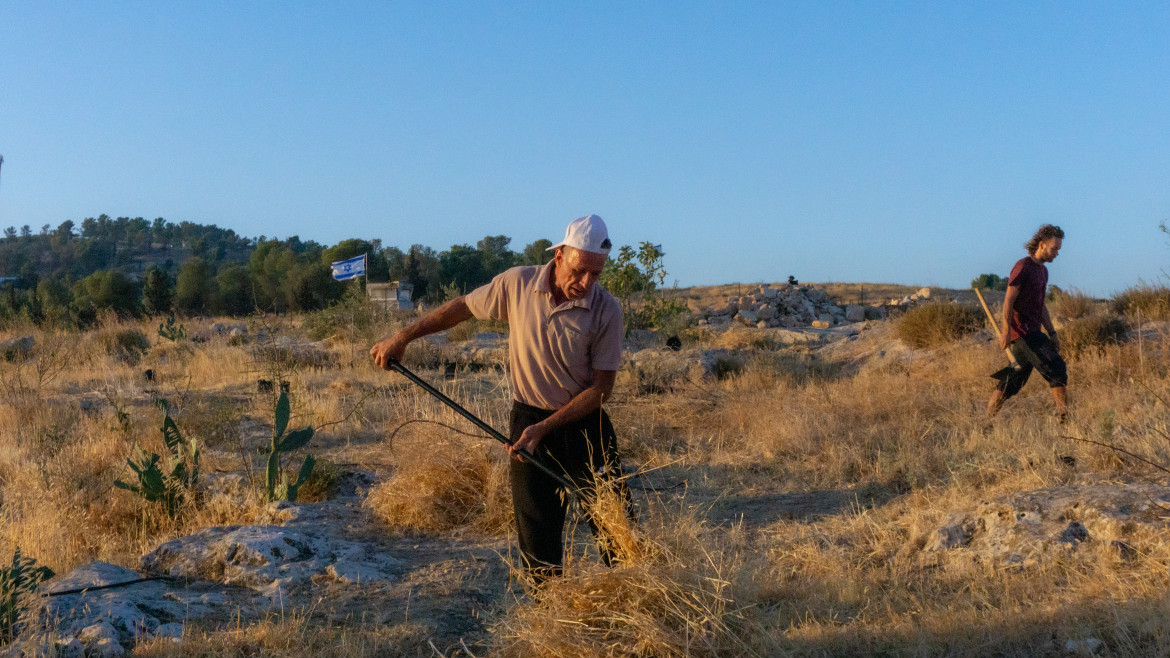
<point x="583" y="450"/>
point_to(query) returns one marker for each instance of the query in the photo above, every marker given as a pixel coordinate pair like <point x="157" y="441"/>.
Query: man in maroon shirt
<point x="1024" y="315"/>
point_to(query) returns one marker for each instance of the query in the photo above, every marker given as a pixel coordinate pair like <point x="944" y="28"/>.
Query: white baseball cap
<point x="586" y="233"/>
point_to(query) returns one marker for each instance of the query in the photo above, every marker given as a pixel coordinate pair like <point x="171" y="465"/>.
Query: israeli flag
<point x="344" y="270"/>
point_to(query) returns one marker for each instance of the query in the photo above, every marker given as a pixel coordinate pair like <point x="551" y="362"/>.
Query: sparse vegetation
<point x="1071" y="304"/>
<point x="1147" y="301"/>
<point x="1092" y="334"/>
<point x="18" y="587"/>
<point x="938" y="323"/>
<point x="277" y="484"/>
<point x="989" y="282"/>
<point x="791" y="515"/>
<point x="176" y="487"/>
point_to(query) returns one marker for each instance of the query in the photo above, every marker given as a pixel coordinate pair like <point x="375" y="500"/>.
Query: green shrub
<point x="354" y="317"/>
<point x="1148" y="301"/>
<point x="989" y="282"/>
<point x="1091" y="334"/>
<point x="937" y="323"/>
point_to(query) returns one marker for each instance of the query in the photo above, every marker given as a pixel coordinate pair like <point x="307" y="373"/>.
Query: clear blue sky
<point x="905" y="142"/>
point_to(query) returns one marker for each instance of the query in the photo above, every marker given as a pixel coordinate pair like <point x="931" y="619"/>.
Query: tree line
<point x="67" y="276"/>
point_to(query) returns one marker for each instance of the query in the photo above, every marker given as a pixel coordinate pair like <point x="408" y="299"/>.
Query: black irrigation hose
<point x="94" y="588"/>
<point x="526" y="456"/>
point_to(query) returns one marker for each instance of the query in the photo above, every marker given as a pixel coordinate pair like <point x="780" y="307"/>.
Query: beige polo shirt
<point x="552" y="350"/>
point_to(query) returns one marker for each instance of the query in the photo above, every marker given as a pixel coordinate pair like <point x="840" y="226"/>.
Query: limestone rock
<point x="854" y="313"/>
<point x="16" y="348"/>
<point x="661" y="370"/>
<point x="1023" y="527"/>
<point x="269" y="558"/>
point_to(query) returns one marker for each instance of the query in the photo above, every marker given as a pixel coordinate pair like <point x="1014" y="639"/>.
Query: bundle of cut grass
<point x="443" y="485"/>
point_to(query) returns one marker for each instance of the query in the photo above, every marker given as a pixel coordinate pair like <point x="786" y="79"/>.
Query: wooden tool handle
<point x="994" y="325"/>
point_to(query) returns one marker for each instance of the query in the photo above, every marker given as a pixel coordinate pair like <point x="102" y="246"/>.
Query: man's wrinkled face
<point x="576" y="271"/>
<point x="1047" y="250"/>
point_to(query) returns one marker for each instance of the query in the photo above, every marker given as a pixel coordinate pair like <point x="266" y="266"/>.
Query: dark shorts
<point x="1035" y="351"/>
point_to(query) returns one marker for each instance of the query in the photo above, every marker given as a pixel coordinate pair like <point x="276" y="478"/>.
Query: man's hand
<point x="529" y="439"/>
<point x="1003" y="340"/>
<point x="389" y="350"/>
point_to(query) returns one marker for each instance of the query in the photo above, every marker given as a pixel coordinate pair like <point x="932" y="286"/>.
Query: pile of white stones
<point x="791" y="307"/>
<point x="922" y="295"/>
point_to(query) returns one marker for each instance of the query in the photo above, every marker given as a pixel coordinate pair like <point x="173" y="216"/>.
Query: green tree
<point x="270" y="266"/>
<point x="104" y="290"/>
<point x="54" y="299"/>
<point x="193" y="287"/>
<point x="644" y="272"/>
<point x="461" y="267"/>
<point x="989" y="282"/>
<point x="395" y="263"/>
<point x="537" y="253"/>
<point x="495" y="255"/>
<point x="377" y="269"/>
<point x="157" y="294"/>
<point x="415" y="271"/>
<point x="234" y="290"/>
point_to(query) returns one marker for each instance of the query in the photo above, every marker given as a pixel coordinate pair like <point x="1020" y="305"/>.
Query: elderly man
<point x="1024" y="315"/>
<point x="565" y="348"/>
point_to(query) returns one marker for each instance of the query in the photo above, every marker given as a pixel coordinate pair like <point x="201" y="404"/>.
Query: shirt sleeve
<point x="490" y="301"/>
<point x="1021" y="274"/>
<point x="607" y="345"/>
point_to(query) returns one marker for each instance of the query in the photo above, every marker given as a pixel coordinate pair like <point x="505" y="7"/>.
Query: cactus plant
<point x="172" y="331"/>
<point x="16" y="584"/>
<point x="277" y="486"/>
<point x="178" y="485"/>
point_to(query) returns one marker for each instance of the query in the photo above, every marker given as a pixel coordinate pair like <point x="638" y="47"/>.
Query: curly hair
<point x="1045" y="232"/>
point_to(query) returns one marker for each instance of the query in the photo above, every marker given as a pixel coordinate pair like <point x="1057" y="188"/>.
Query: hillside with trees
<point x="68" y="275"/>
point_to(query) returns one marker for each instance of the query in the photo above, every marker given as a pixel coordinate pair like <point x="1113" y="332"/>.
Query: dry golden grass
<point x="1072" y="304"/>
<point x="1145" y="301"/>
<point x="441" y="484"/>
<point x="903" y="437"/>
<point x="674" y="593"/>
<point x="296" y="635"/>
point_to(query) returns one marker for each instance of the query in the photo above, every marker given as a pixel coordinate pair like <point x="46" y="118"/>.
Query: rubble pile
<point x="790" y="307"/>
